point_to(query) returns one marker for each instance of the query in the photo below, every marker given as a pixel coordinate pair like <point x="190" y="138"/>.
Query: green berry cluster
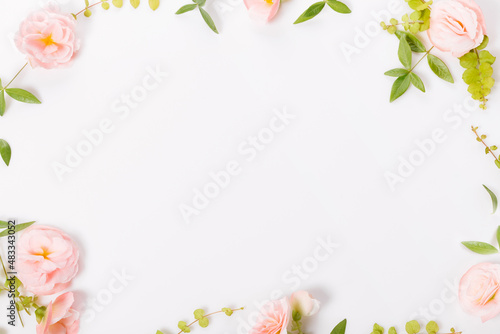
<point x="411" y="327"/>
<point x="478" y="72"/>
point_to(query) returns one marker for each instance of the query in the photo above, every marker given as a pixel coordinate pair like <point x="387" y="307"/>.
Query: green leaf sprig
<point x="419" y="20"/>
<point x="317" y="7"/>
<point x="478" y="72"/>
<point x="87" y="11"/>
<point x="488" y="149"/>
<point x="201" y="318"/>
<point x="413" y="327"/>
<point x="17" y="94"/>
<point x="206" y="17"/>
<point x="483" y="248"/>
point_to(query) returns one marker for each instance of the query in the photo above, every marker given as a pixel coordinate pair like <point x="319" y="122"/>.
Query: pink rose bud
<point x="304" y="303"/>
<point x="479" y="291"/>
<point x="457" y="26"/>
<point x="47" y="38"/>
<point x="262" y="10"/>
<point x="60" y="317"/>
<point x="47" y="260"/>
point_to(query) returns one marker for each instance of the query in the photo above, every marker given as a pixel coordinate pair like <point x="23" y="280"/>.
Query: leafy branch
<point x="87" y="12"/>
<point x="487" y="149"/>
<point x="413" y="327"/>
<point x="18" y="94"/>
<point x="206" y="17"/>
<point x="202" y="319"/>
<point x="317" y="7"/>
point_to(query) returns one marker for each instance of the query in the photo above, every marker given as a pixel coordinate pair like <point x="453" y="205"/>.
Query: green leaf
<point x="4" y="224"/>
<point x="396" y="72"/>
<point x="497" y="163"/>
<point x="378" y="329"/>
<point x="486" y="70"/>
<point x="186" y="8"/>
<point x="203" y="322"/>
<point x="208" y="20"/>
<point x="154" y="4"/>
<point x="118" y="3"/>
<point x="484" y="43"/>
<point x="417" y="82"/>
<point x="400" y="86"/>
<point x="135" y="3"/>
<point x="198" y="314"/>
<point x="432" y="327"/>
<point x="227" y="311"/>
<point x="494" y="199"/>
<point x="415" y="44"/>
<point x="311" y="12"/>
<point x="404" y="53"/>
<point x="17" y="228"/>
<point x="5" y="151"/>
<point x="22" y="95"/>
<point x="480" y="247"/>
<point x="2" y="102"/>
<point x="340" y="328"/>
<point x="469" y="60"/>
<point x="338" y="6"/>
<point x="439" y="68"/>
<point x="200" y="3"/>
<point x="412" y="327"/>
<point x="105" y="5"/>
<point x="471" y="75"/>
<point x="392" y="330"/>
<point x="498" y="235"/>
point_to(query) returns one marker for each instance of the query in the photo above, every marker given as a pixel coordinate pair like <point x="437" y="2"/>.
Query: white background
<point x="323" y="175"/>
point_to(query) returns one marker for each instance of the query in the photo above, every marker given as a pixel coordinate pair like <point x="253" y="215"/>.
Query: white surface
<point x="323" y="175"/>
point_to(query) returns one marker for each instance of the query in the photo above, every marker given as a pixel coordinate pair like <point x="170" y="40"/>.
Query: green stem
<point x="95" y="4"/>
<point x="484" y="143"/>
<point x="208" y="315"/>
<point x="3" y="266"/>
<point x="299" y="326"/>
<point x="425" y="55"/>
<point x="14" y="78"/>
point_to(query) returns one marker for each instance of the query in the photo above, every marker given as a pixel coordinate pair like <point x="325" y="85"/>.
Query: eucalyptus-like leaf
<point x="417" y="82"/>
<point x="439" y="68"/>
<point x="17" y="228"/>
<point x="412" y="327"/>
<point x="404" y="53"/>
<point x="494" y="199"/>
<point x="135" y="3"/>
<point x="396" y="72"/>
<point x="117" y="3"/>
<point x="482" y="248"/>
<point x="208" y="20"/>
<point x="400" y="86"/>
<point x="311" y="12"/>
<point x="415" y="44"/>
<point x="432" y="327"/>
<point x="154" y="4"/>
<point x="5" y="151"/>
<point x="339" y="7"/>
<point x="22" y="95"/>
<point x="186" y="8"/>
<point x="340" y="328"/>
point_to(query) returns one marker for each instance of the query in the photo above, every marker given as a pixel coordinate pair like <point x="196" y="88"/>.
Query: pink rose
<point x="273" y="319"/>
<point x="457" y="26"/>
<point x="47" y="38"/>
<point x="59" y="317"/>
<point x="262" y="10"/>
<point x="304" y="303"/>
<point x="47" y="260"/>
<point x="479" y="291"/>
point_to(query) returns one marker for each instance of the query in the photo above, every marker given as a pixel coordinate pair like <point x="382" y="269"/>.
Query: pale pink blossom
<point x="274" y="318"/>
<point x="479" y="291"/>
<point x="47" y="260"/>
<point x="304" y="303"/>
<point x="457" y="26"/>
<point x="262" y="10"/>
<point x="59" y="317"/>
<point x="48" y="39"/>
